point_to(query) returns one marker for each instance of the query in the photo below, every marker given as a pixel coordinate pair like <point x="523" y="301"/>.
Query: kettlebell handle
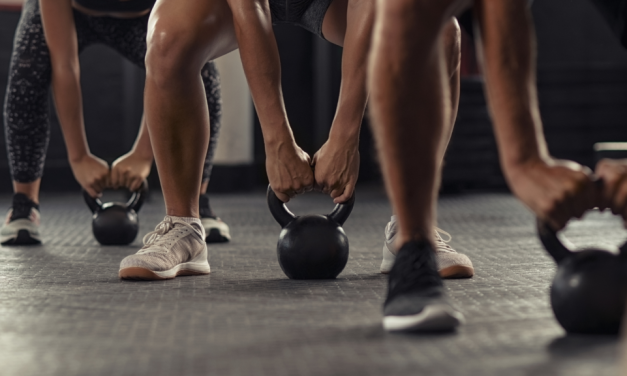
<point x="556" y="248"/>
<point x="138" y="197"/>
<point x="135" y="202"/>
<point x="284" y="216"/>
<point x="94" y="204"/>
<point x="279" y="211"/>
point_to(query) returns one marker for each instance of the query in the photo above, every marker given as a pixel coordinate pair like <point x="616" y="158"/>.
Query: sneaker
<point x="22" y="222"/>
<point x="416" y="301"/>
<point x="450" y="263"/>
<point x="176" y="247"/>
<point x="215" y="229"/>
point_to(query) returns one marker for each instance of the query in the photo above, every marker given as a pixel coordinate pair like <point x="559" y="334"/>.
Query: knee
<point x="171" y="56"/>
<point x="452" y="40"/>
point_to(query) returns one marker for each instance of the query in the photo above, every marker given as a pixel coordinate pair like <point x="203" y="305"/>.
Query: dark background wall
<point x="582" y="80"/>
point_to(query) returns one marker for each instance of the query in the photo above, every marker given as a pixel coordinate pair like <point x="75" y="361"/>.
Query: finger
<point x="135" y="184"/>
<point x="115" y="178"/>
<point x="282" y="196"/>
<point x="349" y="191"/>
<point x="93" y="193"/>
<point x="337" y="192"/>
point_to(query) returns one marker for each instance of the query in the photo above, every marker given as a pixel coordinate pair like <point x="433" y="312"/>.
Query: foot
<point x="416" y="301"/>
<point x="176" y="247"/>
<point x="21" y="226"/>
<point x="450" y="263"/>
<point x="215" y="229"/>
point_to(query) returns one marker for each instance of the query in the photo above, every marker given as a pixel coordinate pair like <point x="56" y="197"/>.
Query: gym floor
<point x="63" y="311"/>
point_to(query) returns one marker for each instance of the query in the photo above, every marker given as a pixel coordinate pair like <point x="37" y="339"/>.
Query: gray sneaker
<point x="174" y="248"/>
<point x="21" y="226"/>
<point x="450" y="263"/>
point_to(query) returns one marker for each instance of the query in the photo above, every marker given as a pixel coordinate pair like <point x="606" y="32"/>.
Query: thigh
<point x="200" y="30"/>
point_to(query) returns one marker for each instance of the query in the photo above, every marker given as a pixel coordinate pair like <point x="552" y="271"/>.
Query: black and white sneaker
<point x="416" y="300"/>
<point x="21" y="226"/>
<point x="216" y="231"/>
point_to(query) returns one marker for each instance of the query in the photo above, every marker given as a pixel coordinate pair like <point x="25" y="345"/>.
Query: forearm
<point x="353" y="92"/>
<point x="508" y="56"/>
<point x="69" y="106"/>
<point x="142" y="146"/>
<point x="260" y="59"/>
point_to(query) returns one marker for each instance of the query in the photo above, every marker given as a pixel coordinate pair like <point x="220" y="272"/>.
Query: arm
<point x="337" y="161"/>
<point x="287" y="165"/>
<point x="131" y="169"/>
<point x="60" y="32"/>
<point x="554" y="190"/>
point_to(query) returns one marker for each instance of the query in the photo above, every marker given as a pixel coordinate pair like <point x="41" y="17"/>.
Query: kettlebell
<point x="589" y="290"/>
<point x="116" y="223"/>
<point x="311" y="246"/>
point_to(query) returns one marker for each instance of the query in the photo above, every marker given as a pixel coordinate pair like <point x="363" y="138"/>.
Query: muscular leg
<point x="181" y="38"/>
<point x="411" y="107"/>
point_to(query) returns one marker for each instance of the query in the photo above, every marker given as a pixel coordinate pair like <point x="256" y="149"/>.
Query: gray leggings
<point x="26" y="116"/>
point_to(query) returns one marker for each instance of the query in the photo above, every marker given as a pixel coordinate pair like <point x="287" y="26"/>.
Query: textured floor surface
<point x="63" y="311"/>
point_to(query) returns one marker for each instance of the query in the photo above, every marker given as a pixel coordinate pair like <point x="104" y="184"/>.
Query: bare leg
<point x="181" y="38"/>
<point x="411" y="107"/>
<point x="203" y="187"/>
<point x="31" y="190"/>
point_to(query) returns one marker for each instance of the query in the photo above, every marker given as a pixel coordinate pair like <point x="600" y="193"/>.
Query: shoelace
<point x="154" y="239"/>
<point x="441" y="244"/>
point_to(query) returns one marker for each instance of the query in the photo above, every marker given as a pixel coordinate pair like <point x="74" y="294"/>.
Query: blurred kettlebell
<point x="311" y="246"/>
<point x="589" y="291"/>
<point x="116" y="223"/>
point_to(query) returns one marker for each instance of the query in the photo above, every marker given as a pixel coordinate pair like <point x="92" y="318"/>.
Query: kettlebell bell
<point x="311" y="246"/>
<point x="589" y="291"/>
<point x="116" y="223"/>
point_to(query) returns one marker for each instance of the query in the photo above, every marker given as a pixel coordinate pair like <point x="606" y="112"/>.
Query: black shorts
<point x="615" y="13"/>
<point x="307" y="14"/>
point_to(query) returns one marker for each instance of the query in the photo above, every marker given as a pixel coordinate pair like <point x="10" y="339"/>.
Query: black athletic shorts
<point x="307" y="14"/>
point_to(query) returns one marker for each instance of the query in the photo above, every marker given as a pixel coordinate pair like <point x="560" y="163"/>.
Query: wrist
<point x="78" y="156"/>
<point x="346" y="133"/>
<point x="277" y="136"/>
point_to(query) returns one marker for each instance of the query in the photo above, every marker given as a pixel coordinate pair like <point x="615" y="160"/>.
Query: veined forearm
<point x="262" y="66"/>
<point x="69" y="105"/>
<point x="509" y="61"/>
<point x="142" y="146"/>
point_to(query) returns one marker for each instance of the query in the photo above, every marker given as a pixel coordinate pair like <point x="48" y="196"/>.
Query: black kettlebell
<point x="311" y="246"/>
<point x="589" y="291"/>
<point x="116" y="223"/>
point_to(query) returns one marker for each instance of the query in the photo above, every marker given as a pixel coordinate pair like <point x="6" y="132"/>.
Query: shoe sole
<point x="452" y="272"/>
<point x="143" y="274"/>
<point x="23" y="237"/>
<point x="434" y="318"/>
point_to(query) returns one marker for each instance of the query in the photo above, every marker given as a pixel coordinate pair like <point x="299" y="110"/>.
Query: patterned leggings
<point x="26" y="116"/>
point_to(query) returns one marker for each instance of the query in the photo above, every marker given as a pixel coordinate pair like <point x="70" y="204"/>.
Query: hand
<point x="289" y="170"/>
<point x="336" y="168"/>
<point x="130" y="171"/>
<point x="613" y="192"/>
<point x="92" y="173"/>
<point x="555" y="190"/>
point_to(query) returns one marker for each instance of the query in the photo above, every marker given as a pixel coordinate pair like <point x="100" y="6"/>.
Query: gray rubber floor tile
<point x="63" y="311"/>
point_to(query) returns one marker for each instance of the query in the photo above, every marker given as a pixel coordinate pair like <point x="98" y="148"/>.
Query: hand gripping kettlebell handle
<point x="138" y="197"/>
<point x="279" y="211"/>
<point x="556" y="248"/>
<point x="341" y="211"/>
<point x="94" y="204"/>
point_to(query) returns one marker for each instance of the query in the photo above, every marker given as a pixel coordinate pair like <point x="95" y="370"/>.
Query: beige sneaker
<point x="450" y="263"/>
<point x="176" y="247"/>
